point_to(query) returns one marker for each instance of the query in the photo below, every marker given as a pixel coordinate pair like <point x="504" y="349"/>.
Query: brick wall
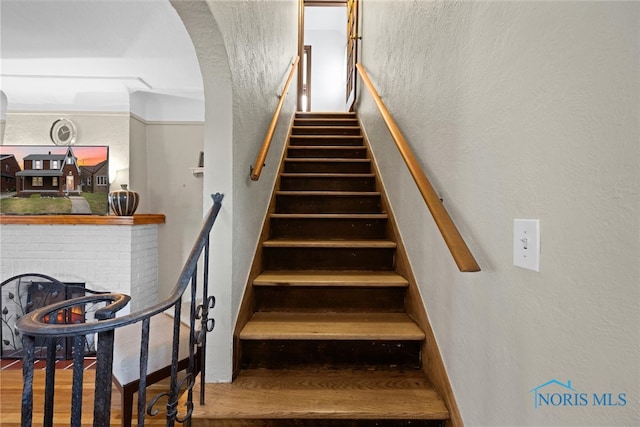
<point x="116" y="258"/>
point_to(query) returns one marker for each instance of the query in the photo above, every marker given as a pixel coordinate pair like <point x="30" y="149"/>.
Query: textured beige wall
<point x="172" y="149"/>
<point x="520" y="110"/>
<point x="139" y="163"/>
<point x="258" y="75"/>
<point x="162" y="155"/>
<point x="244" y="49"/>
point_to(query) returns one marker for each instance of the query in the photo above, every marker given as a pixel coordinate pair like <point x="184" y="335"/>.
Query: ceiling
<point x="75" y="55"/>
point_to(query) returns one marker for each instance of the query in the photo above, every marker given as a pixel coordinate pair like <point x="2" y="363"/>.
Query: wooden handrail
<point x="256" y="169"/>
<point x="459" y="250"/>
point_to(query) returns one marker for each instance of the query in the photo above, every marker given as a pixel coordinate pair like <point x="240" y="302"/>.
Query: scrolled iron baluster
<point x="189" y="404"/>
<point x="150" y="407"/>
<point x="172" y="405"/>
<point x="202" y="313"/>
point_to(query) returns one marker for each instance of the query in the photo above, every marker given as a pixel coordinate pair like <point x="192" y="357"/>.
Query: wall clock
<point x="63" y="132"/>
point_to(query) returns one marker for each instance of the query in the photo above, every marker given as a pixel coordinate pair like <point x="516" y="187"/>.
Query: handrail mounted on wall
<point x="459" y="250"/>
<point x="256" y="169"/>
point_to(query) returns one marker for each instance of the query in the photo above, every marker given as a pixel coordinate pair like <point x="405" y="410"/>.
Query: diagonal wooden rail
<point x="256" y="169"/>
<point x="459" y="250"/>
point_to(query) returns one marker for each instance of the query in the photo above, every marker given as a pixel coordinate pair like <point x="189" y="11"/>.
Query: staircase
<point x="329" y="342"/>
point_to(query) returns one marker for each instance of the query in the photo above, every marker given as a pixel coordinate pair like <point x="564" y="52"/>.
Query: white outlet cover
<point x="526" y="243"/>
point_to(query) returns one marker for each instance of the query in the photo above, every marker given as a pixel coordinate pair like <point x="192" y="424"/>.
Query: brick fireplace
<point x="108" y="253"/>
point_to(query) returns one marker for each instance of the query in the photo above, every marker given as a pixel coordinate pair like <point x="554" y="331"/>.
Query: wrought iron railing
<point x="34" y="325"/>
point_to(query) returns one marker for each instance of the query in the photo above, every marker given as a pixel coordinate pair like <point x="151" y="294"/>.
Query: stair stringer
<point x="247" y="305"/>
<point x="432" y="363"/>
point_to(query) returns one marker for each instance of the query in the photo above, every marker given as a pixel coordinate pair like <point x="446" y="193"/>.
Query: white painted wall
<point x="326" y="31"/>
<point x="520" y="110"/>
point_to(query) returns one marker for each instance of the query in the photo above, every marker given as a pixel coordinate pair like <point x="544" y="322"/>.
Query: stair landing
<point x="266" y="396"/>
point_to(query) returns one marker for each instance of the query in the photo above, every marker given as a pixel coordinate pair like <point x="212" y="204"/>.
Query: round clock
<point x="63" y="132"/>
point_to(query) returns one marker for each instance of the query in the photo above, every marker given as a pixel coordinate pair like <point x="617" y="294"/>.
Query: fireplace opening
<point x="41" y="294"/>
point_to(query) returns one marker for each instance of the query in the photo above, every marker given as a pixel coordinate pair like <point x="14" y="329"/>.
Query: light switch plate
<point x="526" y="243"/>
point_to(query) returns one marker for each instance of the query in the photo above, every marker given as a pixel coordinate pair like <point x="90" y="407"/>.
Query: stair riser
<point x="325" y="115"/>
<point x="329" y="299"/>
<point x="348" y="141"/>
<point x="348" y="354"/>
<point x="304" y="228"/>
<point x="327" y="153"/>
<point x="327" y="184"/>
<point x="337" y="122"/>
<point x="325" y="130"/>
<point x="293" y="166"/>
<point x="374" y="259"/>
<point x="327" y="204"/>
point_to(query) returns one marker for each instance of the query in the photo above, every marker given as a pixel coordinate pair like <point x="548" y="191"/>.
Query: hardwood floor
<point x="322" y="394"/>
<point x="11" y="396"/>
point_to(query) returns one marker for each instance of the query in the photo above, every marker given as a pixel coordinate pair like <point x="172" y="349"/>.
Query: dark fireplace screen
<point x="29" y="293"/>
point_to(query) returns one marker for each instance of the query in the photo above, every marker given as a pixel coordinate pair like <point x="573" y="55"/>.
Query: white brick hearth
<point x="116" y="258"/>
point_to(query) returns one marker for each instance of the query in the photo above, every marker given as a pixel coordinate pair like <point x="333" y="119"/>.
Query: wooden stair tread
<point x="326" y="147"/>
<point x="328" y="216"/>
<point x="310" y="243"/>
<point x="330" y="278"/>
<point x="321" y="136"/>
<point x="305" y="127"/>
<point x="328" y="119"/>
<point x="325" y="113"/>
<point x="325" y="160"/>
<point x="323" y="394"/>
<point x="331" y="326"/>
<point x="301" y="122"/>
<point x="327" y="193"/>
<point x="325" y="175"/>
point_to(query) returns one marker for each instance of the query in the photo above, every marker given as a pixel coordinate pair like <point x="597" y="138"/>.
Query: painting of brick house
<point x="78" y="176"/>
<point x="9" y="167"/>
<point x="50" y="175"/>
<point x="95" y="179"/>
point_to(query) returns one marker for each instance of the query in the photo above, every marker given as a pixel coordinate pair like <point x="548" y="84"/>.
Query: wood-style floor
<point x="279" y="395"/>
<point x="11" y="399"/>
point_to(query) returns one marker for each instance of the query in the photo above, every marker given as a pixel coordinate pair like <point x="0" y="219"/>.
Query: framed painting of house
<point x="45" y="180"/>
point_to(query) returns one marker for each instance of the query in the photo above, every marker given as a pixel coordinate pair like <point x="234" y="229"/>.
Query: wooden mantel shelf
<point x="140" y="219"/>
